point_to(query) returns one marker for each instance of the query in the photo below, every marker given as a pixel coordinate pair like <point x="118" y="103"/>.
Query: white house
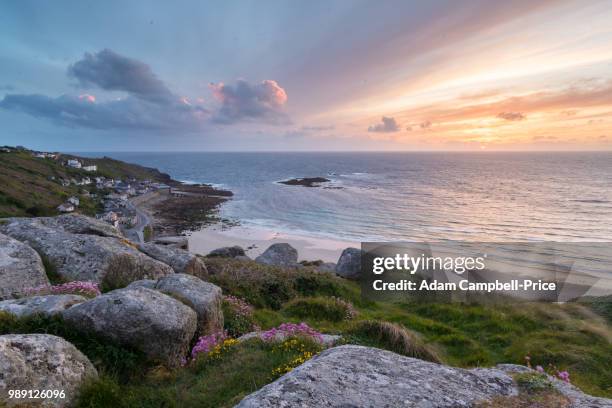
<point x="65" y="208"/>
<point x="74" y="163"/>
<point x="74" y="201"/>
<point x="90" y="168"/>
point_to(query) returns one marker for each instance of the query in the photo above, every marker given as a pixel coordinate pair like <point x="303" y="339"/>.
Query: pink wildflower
<point x="564" y="376"/>
<point x="285" y="330"/>
<point x="206" y="343"/>
<point x="240" y="306"/>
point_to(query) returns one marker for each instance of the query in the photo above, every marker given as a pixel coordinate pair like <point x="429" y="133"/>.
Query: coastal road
<point x="136" y="233"/>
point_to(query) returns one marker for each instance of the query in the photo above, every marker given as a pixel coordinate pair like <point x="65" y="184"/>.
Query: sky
<point x="306" y="75"/>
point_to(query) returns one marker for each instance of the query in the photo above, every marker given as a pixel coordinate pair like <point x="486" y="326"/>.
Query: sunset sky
<point x="306" y="75"/>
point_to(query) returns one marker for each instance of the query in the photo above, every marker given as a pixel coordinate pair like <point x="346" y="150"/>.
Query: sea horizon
<point x="518" y="196"/>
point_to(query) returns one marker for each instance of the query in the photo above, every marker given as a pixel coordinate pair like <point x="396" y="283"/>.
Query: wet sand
<point x="255" y="240"/>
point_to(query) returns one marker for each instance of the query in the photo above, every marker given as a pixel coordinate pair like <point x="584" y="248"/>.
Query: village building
<point x="74" y="201"/>
<point x="74" y="163"/>
<point x="65" y="208"/>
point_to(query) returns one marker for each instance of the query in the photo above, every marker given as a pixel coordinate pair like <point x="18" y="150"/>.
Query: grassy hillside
<point x="571" y="337"/>
<point x="30" y="186"/>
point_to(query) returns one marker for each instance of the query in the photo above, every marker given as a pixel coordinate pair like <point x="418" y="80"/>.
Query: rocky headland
<point x="111" y="322"/>
<point x="306" y="181"/>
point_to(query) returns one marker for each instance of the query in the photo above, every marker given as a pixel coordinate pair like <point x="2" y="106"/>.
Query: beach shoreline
<point x="255" y="240"/>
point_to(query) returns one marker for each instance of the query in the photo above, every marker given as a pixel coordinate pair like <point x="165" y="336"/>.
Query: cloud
<point x="513" y="116"/>
<point x="264" y="100"/>
<point x="388" y="125"/>
<point x="113" y="72"/>
<point x="149" y="103"/>
<point x="126" y="113"/>
<point x="318" y="128"/>
<point x="7" y="88"/>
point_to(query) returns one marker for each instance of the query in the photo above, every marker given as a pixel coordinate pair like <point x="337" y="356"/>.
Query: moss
<point x="148" y="233"/>
<point x="533" y="382"/>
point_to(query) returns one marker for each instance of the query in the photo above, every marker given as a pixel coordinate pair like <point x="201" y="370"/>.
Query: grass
<point x="221" y="382"/>
<point x="29" y="186"/>
<point x="392" y="337"/>
<point x="320" y="308"/>
<point x="535" y="391"/>
<point x="570" y="336"/>
<point x="109" y="358"/>
<point x="268" y="286"/>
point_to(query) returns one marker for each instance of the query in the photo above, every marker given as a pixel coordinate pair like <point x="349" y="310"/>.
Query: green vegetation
<point x="391" y="336"/>
<point x="320" y="308"/>
<point x="30" y="186"/>
<point x="148" y="233"/>
<point x="533" y="382"/>
<point x="535" y="391"/>
<point x="236" y="322"/>
<point x="109" y="358"/>
<point x="268" y="286"/>
<point x="569" y="336"/>
<point x="211" y="382"/>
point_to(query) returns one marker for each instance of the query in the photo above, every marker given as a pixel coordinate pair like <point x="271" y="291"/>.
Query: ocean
<point x="484" y="196"/>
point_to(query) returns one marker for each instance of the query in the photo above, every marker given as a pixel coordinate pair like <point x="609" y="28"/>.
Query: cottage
<point x="65" y="208"/>
<point x="74" y="163"/>
<point x="74" y="201"/>
<point x="90" y="168"/>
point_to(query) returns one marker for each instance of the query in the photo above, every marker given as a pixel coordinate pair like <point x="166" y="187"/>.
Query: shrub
<point x="270" y="286"/>
<point x="393" y="337"/>
<point x="305" y="349"/>
<point x="321" y="308"/>
<point x="212" y="346"/>
<point x="206" y="343"/>
<point x="237" y="316"/>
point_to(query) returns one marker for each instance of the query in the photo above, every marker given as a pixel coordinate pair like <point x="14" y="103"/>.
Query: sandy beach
<point x="256" y="240"/>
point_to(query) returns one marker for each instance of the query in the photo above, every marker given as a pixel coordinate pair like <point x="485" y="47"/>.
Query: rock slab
<point x="42" y="362"/>
<point x="85" y="257"/>
<point x="227" y="252"/>
<point x="281" y="254"/>
<point x="349" y="264"/>
<point x="147" y="320"/>
<point x="48" y="305"/>
<point x="20" y="268"/>
<point x="203" y="297"/>
<point x="356" y="376"/>
<point x="180" y="260"/>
